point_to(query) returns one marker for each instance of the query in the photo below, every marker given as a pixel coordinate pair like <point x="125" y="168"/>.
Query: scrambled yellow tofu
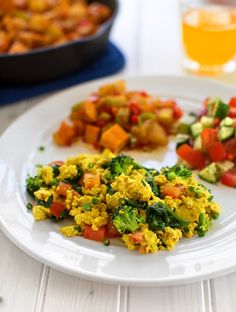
<point x="107" y="196"/>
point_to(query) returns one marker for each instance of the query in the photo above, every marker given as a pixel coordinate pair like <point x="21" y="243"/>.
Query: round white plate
<point x="192" y="259"/>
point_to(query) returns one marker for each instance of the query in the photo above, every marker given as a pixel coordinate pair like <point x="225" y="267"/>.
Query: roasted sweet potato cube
<point x="64" y="135"/>
<point x="91" y="134"/>
<point x="88" y="111"/>
<point x="114" y="138"/>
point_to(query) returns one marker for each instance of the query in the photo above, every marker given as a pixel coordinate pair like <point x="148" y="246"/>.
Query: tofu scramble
<point x="107" y="196"/>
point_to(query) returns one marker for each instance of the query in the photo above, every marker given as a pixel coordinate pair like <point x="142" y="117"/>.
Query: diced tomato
<point x="57" y="208"/>
<point x="230" y="146"/>
<point x="232" y="102"/>
<point x="217" y="151"/>
<point x="111" y="231"/>
<point x="172" y="191"/>
<point x="137" y="237"/>
<point x="101" y="123"/>
<point x="178" y="113"/>
<point x="193" y="157"/>
<point x="217" y="121"/>
<point x="90" y="180"/>
<point x="232" y="112"/>
<point x="208" y="136"/>
<point x="62" y="188"/>
<point x="134" y="119"/>
<point x="134" y="108"/>
<point x="229" y="178"/>
<point x="64" y="135"/>
<point x="98" y="235"/>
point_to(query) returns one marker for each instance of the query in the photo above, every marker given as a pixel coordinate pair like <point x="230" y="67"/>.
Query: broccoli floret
<point x="159" y="215"/>
<point x="177" y="171"/>
<point x="203" y="224"/>
<point x="33" y="184"/>
<point x="127" y="219"/>
<point x="119" y="165"/>
<point x="122" y="163"/>
<point x="47" y="203"/>
<point x="153" y="185"/>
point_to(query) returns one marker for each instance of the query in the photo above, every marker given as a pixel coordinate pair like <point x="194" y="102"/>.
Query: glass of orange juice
<point x="209" y="35"/>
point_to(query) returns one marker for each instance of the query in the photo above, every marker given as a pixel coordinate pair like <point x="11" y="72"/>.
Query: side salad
<point x="207" y="141"/>
<point x="106" y="196"/>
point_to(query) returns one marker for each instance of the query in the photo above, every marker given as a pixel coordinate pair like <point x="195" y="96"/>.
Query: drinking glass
<point x="209" y="35"/>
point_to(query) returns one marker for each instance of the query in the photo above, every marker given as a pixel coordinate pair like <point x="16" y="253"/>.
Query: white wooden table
<point x="148" y="33"/>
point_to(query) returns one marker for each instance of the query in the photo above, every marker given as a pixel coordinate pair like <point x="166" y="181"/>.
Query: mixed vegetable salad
<point x="31" y="24"/>
<point x="116" y="118"/>
<point x="208" y="141"/>
<point x="106" y="196"/>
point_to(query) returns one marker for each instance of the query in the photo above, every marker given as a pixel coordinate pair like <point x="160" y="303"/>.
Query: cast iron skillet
<point x="48" y="63"/>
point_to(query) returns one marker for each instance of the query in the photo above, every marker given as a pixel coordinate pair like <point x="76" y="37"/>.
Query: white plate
<point x="192" y="259"/>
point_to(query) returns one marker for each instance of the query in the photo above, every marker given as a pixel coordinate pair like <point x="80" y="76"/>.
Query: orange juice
<point x="209" y="35"/>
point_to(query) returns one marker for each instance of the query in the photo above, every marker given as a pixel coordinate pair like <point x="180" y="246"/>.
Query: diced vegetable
<point x="227" y="122"/>
<point x="193" y="157"/>
<point x="232" y="112"/>
<point x="217" y="151"/>
<point x="172" y="191"/>
<point x="165" y="116"/>
<point x="88" y="111"/>
<point x="229" y="178"/>
<point x="207" y="121"/>
<point x="114" y="138"/>
<point x="196" y="129"/>
<point x="91" y="180"/>
<point x="217" y="108"/>
<point x="225" y="165"/>
<point x="197" y="144"/>
<point x="91" y="134"/>
<point x="57" y="208"/>
<point x="64" y="135"/>
<point x="62" y="188"/>
<point x="232" y="102"/>
<point x="185" y="122"/>
<point x="208" y="136"/>
<point x="230" y="147"/>
<point x="182" y="139"/>
<point x="225" y="133"/>
<point x="98" y="235"/>
<point x="211" y="173"/>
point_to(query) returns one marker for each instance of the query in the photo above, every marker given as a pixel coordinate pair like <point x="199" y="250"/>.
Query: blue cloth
<point x="109" y="63"/>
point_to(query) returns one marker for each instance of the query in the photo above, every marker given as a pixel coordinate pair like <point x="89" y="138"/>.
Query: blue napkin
<point x="109" y="63"/>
